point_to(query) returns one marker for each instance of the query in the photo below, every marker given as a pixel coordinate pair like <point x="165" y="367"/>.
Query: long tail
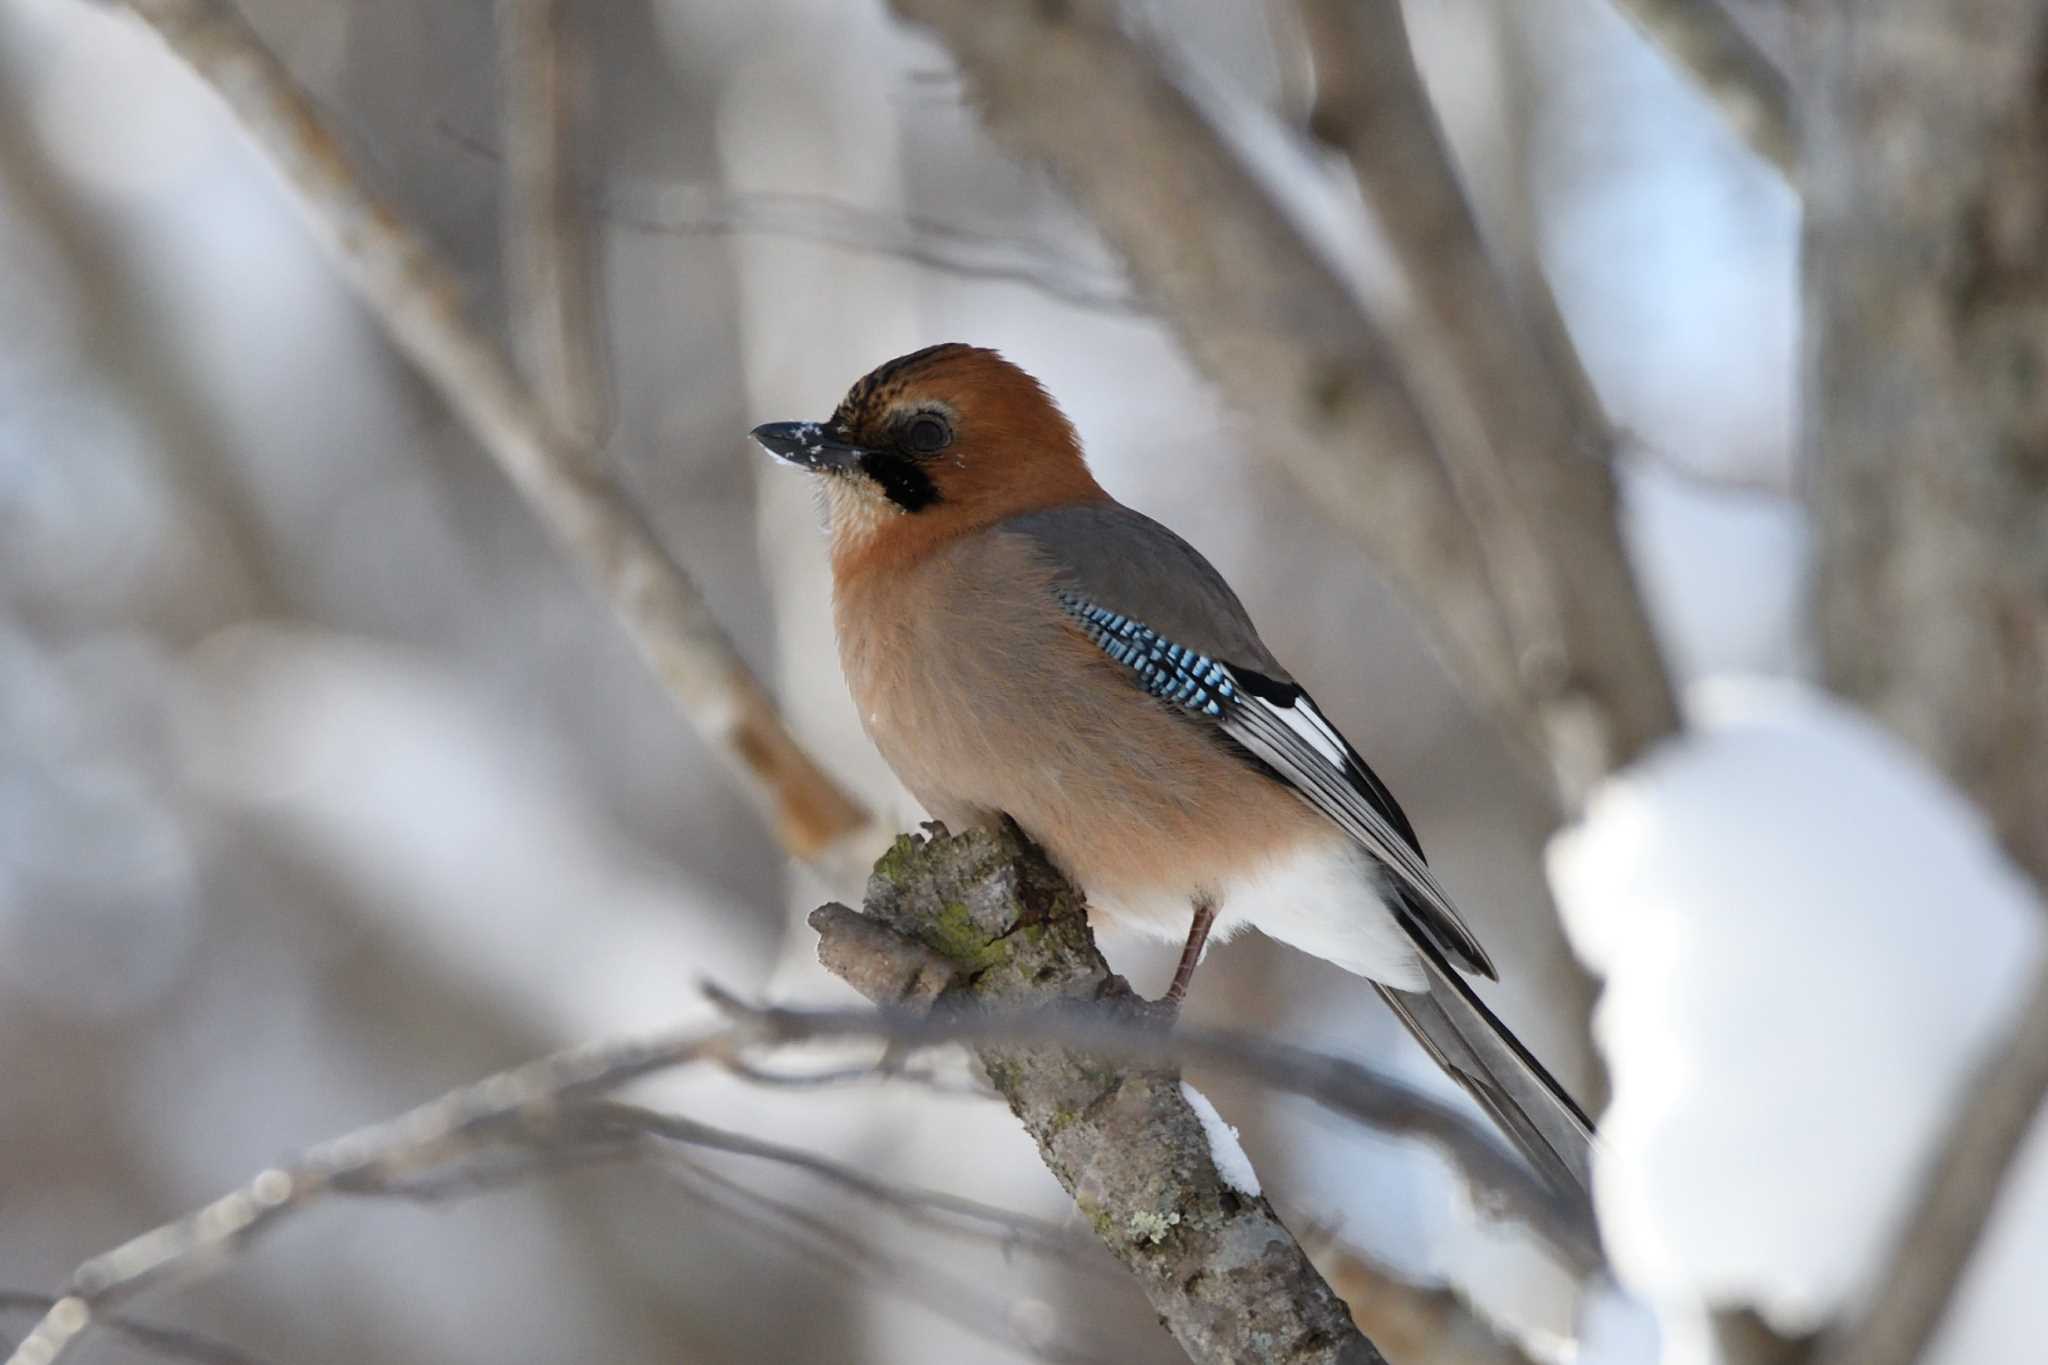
<point x="1479" y="1052"/>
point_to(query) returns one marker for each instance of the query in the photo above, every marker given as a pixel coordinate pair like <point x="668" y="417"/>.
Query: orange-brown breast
<point x="985" y="700"/>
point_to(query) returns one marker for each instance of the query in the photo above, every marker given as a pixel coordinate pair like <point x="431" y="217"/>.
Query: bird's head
<point x="931" y="445"/>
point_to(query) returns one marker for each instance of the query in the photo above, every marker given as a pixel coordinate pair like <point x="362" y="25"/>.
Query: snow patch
<point x="1224" y="1150"/>
<point x="1808" y="941"/>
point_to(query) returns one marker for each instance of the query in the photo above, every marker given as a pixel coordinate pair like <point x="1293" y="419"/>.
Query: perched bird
<point x="1020" y="643"/>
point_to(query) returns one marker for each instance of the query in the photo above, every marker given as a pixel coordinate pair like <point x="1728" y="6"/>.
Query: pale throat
<point x="855" y="513"/>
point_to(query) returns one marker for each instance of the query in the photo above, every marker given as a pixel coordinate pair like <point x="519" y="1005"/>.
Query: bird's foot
<point x="1161" y="1014"/>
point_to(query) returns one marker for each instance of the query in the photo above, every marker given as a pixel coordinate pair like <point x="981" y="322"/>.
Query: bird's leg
<point x="1198" y="934"/>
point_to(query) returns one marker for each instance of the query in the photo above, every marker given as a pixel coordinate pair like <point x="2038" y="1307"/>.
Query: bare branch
<point x="541" y="89"/>
<point x="173" y="1343"/>
<point x="1927" y="426"/>
<point x="390" y="1153"/>
<point x="1499" y="1182"/>
<point x="951" y="1297"/>
<point x="690" y="209"/>
<point x="886" y="1069"/>
<point x="923" y="241"/>
<point x="1742" y="81"/>
<point x="1927" y="294"/>
<point x="1519" y="430"/>
<point x="1048" y="1020"/>
<point x="613" y="1120"/>
<point x="416" y="297"/>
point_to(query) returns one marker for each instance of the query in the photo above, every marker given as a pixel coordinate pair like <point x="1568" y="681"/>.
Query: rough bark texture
<point x="982" y="920"/>
<point x="1927" y="393"/>
<point x="1927" y="407"/>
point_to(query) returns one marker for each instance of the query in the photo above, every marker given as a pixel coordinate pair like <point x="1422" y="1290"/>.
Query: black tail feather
<point x="1470" y="1043"/>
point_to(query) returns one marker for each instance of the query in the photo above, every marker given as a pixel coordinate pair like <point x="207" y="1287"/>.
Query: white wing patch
<point x="1302" y="717"/>
<point x="1296" y="741"/>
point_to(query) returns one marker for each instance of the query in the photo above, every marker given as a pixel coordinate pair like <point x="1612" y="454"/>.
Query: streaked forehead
<point x="875" y="391"/>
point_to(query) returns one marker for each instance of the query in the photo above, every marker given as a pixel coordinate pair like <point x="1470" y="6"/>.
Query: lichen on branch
<point x="982" y="921"/>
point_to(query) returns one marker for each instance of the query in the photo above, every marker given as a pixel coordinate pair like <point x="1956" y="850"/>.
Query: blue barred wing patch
<point x="1174" y="673"/>
<point x="1278" y="724"/>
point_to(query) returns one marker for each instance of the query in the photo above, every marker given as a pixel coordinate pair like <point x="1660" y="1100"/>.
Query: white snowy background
<point x="324" y="786"/>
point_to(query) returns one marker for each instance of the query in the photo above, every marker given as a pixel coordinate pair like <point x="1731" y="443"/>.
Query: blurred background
<point x="326" y="786"/>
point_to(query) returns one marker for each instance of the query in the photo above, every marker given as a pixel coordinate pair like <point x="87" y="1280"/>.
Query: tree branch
<point x="932" y="243"/>
<point x="1517" y="425"/>
<point x="541" y="83"/>
<point x="1730" y="69"/>
<point x="1005" y="962"/>
<point x="172" y="1343"/>
<point x="1498" y="1182"/>
<point x="1225" y="1276"/>
<point x="389" y="1153"/>
<point x="1927" y="434"/>
<point x="416" y="297"/>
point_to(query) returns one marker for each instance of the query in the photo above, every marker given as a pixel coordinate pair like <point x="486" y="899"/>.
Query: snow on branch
<point x="1786" y="878"/>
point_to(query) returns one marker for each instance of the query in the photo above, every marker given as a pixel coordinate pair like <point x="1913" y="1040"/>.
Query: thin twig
<point x="408" y="1155"/>
<point x="1499" y="1182"/>
<point x="952" y="1298"/>
<point x="175" y="1343"/>
<point x="611" y="1119"/>
<point x="883" y="1071"/>
<point x="416" y="296"/>
<point x="691" y="209"/>
<point x="1744" y="83"/>
<point x="547" y="270"/>
<point x="413" y="1144"/>
<point x="526" y="1146"/>
<point x="924" y="241"/>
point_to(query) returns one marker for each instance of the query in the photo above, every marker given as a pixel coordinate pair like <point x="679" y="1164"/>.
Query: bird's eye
<point x="927" y="434"/>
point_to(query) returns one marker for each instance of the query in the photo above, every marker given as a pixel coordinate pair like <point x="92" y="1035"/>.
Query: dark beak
<point x="807" y="445"/>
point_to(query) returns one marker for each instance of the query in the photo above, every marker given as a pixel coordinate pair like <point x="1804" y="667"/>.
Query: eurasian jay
<point x="1020" y="643"/>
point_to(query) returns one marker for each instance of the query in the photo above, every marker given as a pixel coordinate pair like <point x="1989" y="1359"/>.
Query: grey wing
<point x="1149" y="601"/>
